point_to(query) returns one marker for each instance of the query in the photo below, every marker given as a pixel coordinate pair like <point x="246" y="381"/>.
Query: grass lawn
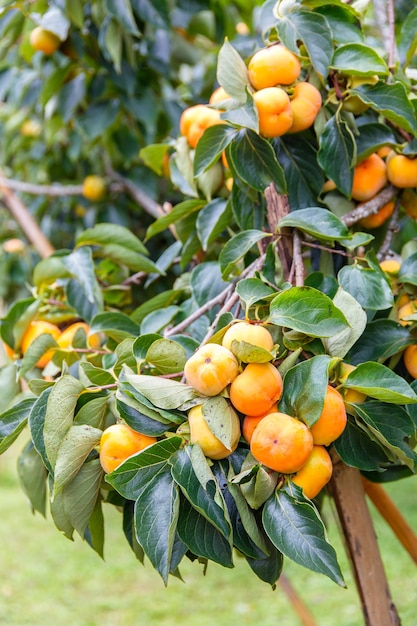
<point x="50" y="581"/>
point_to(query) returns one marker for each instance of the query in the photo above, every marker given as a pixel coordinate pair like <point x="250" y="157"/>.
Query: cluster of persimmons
<point x="285" y="104"/>
<point x="280" y="442"/>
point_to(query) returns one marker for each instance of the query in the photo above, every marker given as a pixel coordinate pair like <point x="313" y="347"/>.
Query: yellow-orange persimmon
<point x="315" y="473"/>
<point x="218" y="95"/>
<point x="67" y="336"/>
<point x="282" y="443"/>
<point x="250" y="422"/>
<point x="402" y="171"/>
<point x="118" y="442"/>
<point x="210" y="369"/>
<point x="305" y="104"/>
<point x="404" y="311"/>
<point x="274" y="111"/>
<point x="274" y="65"/>
<point x="255" y="334"/>
<point x="377" y="219"/>
<point x="94" y="187"/>
<point x="34" y="330"/>
<point x="332" y="420"/>
<point x="44" y="40"/>
<point x="369" y="177"/>
<point x="350" y="395"/>
<point x="256" y="389"/>
<point x="195" y="120"/>
<point x="201" y="434"/>
<point x="410" y="360"/>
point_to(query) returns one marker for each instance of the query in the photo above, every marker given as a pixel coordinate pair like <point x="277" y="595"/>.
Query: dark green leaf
<point x="212" y="220"/>
<point x="358" y="59"/>
<point x="337" y="153"/>
<point x="201" y="537"/>
<point x="314" y="31"/>
<point x="380" y="382"/>
<point x="13" y="421"/>
<point x="36" y="425"/>
<point x="294" y="526"/>
<point x="32" y="477"/>
<point x="392" y="101"/>
<point x="373" y="136"/>
<point x="191" y="471"/>
<point x="215" y="139"/>
<point x="313" y="375"/>
<point x="382" y="338"/>
<point x="357" y="449"/>
<point x="179" y="212"/>
<point x="254" y="161"/>
<point x="156" y="514"/>
<point x="408" y="270"/>
<point x="304" y="176"/>
<point x="408" y="38"/>
<point x="116" y="324"/>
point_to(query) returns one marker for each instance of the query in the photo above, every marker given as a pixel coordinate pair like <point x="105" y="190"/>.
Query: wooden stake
<point x="298" y="605"/>
<point x="26" y="222"/>
<point x="371" y="582"/>
<point x="392" y="516"/>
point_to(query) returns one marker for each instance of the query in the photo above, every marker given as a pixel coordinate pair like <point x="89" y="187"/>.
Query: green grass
<point x="50" y="581"/>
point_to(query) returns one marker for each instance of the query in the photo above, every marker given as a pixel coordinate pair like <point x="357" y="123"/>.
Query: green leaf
<point x="94" y="412"/>
<point x="13" y="421"/>
<point x="211" y="145"/>
<point x="408" y="38"/>
<point x="9" y="386"/>
<point x="60" y="414"/>
<point x="392" y="427"/>
<point x="132" y="412"/>
<point x="314" y="31"/>
<point x="96" y="375"/>
<point x="162" y="392"/>
<point x="132" y="476"/>
<point x="340" y="344"/>
<point x="358" y="59"/>
<point x="312" y="374"/>
<point x="18" y="318"/>
<point x="253" y="290"/>
<point x="36" y="425"/>
<point x="179" y="212"/>
<point x="167" y="356"/>
<point x="368" y="286"/>
<point x="372" y="137"/>
<point x="160" y="301"/>
<point x="146" y="407"/>
<point x="308" y="311"/>
<point x="84" y="284"/>
<point x="380" y="382"/>
<point x="392" y="101"/>
<point x="133" y="260"/>
<point x="382" y="339"/>
<point x="268" y="568"/>
<point x="212" y="220"/>
<point x="192" y="472"/>
<point x="117" y="325"/>
<point x="337" y="153"/>
<point x="56" y="22"/>
<point x="77" y="444"/>
<point x="121" y="10"/>
<point x="358" y="449"/>
<point x="235" y="249"/>
<point x="408" y="269"/>
<point x="206" y="282"/>
<point x="80" y="495"/>
<point x="106" y="233"/>
<point x="32" y="478"/>
<point x="343" y="21"/>
<point x="317" y="222"/>
<point x="201" y="537"/>
<point x="256" y="482"/>
<point x="156" y="515"/>
<point x="303" y="174"/>
<point x="37" y="349"/>
<point x="232" y="73"/>
<point x="294" y="526"/>
<point x="221" y="419"/>
<point x="253" y="159"/>
<point x="94" y="533"/>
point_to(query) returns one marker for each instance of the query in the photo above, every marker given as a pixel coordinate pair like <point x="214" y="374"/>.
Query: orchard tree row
<point x="231" y="306"/>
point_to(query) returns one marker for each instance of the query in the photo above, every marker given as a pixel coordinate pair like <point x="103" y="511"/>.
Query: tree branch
<point x="370" y="207"/>
<point x="41" y="190"/>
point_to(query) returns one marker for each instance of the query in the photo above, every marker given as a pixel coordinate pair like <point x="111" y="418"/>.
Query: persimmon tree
<point x="248" y="226"/>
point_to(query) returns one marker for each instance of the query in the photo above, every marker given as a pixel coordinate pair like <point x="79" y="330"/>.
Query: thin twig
<point x="139" y="196"/>
<point x="298" y="259"/>
<point x="41" y="190"/>
<point x="392" y="229"/>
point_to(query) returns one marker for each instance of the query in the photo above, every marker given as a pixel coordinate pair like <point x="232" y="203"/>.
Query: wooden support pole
<point x="392" y="516"/>
<point x="298" y="605"/>
<point x="368" y="569"/>
<point x="26" y="222"/>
